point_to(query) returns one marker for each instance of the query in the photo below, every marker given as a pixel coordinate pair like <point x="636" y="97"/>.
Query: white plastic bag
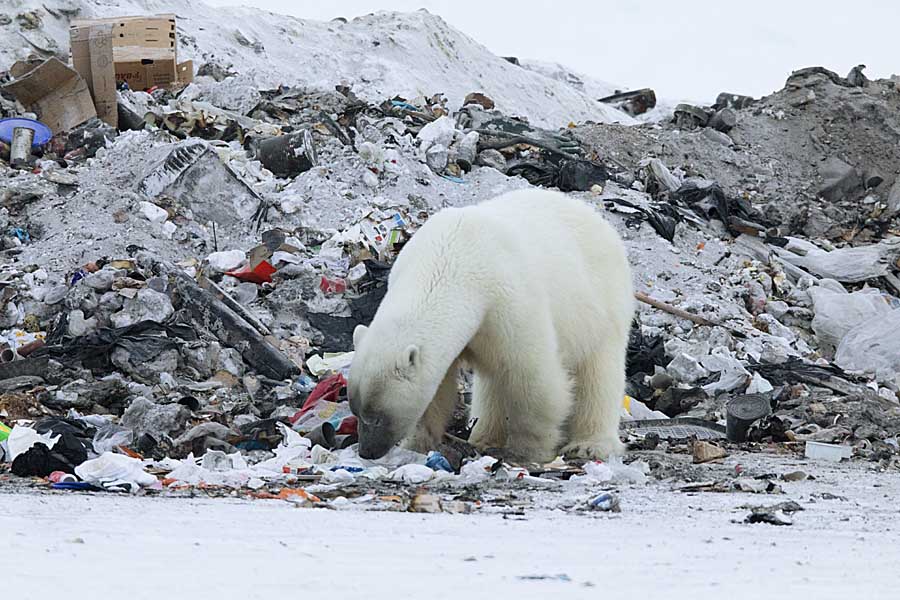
<point x="837" y="313"/>
<point x="110" y="469"/>
<point x="21" y="439"/>
<point x="872" y="346"/>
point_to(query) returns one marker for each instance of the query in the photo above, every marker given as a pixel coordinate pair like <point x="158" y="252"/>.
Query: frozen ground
<point x="520" y="542"/>
<point x="379" y="55"/>
<point x="676" y="544"/>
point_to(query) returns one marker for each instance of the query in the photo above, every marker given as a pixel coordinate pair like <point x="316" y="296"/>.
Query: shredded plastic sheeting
<point x="677" y="429"/>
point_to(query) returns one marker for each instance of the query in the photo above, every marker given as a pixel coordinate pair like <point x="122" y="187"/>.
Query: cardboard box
<point x="57" y="93"/>
<point x="92" y="57"/>
<point x="144" y="50"/>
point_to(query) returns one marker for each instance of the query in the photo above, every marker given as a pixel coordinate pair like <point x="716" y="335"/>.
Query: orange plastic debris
<point x="287" y="493"/>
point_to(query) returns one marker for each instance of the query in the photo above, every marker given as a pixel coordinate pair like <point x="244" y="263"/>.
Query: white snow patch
<point x="380" y="55"/>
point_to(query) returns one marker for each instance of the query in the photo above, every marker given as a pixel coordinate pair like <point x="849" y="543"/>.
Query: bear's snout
<point x="374" y="442"/>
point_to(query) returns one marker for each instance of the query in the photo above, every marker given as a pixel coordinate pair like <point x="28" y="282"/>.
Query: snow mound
<point x="380" y="55"/>
<point x="594" y="88"/>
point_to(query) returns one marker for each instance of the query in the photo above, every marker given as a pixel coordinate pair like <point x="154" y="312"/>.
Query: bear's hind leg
<point x="599" y="389"/>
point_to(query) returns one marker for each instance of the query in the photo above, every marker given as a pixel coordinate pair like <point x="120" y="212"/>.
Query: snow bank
<point x="379" y="55"/>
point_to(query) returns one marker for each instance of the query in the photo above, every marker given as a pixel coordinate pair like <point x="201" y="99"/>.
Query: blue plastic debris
<point x="78" y="276"/>
<point x="75" y="485"/>
<point x="304" y="384"/>
<point x="42" y="133"/>
<point x="21" y="234"/>
<point x="606" y="502"/>
<point x="453" y="178"/>
<point x="401" y="104"/>
<point x="348" y="469"/>
<point x="438" y="462"/>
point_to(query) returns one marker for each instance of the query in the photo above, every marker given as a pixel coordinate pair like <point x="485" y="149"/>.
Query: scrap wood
<point x="210" y="286"/>
<point x="893" y="281"/>
<point x="672" y="310"/>
<point x="230" y="327"/>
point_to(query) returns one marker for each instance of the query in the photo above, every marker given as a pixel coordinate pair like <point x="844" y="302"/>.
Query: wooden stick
<point x="893" y="280"/>
<point x="683" y="314"/>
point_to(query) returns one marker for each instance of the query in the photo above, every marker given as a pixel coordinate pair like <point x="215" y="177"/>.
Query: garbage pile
<point x="801" y="325"/>
<point x="181" y="287"/>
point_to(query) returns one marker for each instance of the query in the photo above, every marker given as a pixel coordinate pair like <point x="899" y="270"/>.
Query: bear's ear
<point x="412" y="357"/>
<point x="358" y="334"/>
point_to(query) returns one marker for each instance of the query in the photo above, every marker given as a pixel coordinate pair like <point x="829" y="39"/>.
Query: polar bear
<point x="533" y="291"/>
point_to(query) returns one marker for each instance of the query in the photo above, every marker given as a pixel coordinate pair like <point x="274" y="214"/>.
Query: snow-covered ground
<point x="378" y="55"/>
<point x="664" y="543"/>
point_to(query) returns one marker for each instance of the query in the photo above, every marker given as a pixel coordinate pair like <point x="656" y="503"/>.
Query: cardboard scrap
<point x="92" y="57"/>
<point x="144" y="49"/>
<point x="58" y="94"/>
<point x="705" y="452"/>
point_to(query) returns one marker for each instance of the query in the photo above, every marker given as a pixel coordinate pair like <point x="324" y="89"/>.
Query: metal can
<point x="287" y="155"/>
<point x="20" y="147"/>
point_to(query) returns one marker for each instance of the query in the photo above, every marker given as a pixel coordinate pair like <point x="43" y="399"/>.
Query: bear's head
<point x="389" y="391"/>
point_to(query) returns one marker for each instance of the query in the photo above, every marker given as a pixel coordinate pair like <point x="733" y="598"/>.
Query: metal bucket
<point x="287" y="155"/>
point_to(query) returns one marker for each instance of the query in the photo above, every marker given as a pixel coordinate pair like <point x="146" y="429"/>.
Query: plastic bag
<point x="872" y="346"/>
<point x="837" y="313"/>
<point x="21" y="439"/>
<point x="115" y="471"/>
<point x="613" y="471"/>
<point x="110" y="436"/>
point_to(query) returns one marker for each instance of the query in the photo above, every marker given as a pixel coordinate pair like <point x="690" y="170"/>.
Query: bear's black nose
<point x="374" y="442"/>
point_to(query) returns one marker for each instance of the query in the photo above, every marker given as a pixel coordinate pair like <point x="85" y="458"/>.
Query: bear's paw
<point x="598" y="449"/>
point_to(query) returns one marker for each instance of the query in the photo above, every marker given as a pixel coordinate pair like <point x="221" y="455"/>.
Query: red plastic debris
<point x="333" y="286"/>
<point x="326" y="397"/>
<point x="262" y="273"/>
<point x="329" y="389"/>
<point x="348" y="426"/>
<point x="57" y="476"/>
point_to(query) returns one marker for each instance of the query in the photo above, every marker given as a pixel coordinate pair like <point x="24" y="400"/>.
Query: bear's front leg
<point x="431" y="427"/>
<point x="599" y="389"/>
<point x="489" y="407"/>
<point x="535" y="402"/>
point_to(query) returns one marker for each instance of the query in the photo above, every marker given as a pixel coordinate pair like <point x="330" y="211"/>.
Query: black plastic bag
<point x="71" y="449"/>
<point x="709" y="200"/>
<point x="338" y="331"/>
<point x="645" y="353"/>
<point x="144" y="341"/>
<point x="580" y="175"/>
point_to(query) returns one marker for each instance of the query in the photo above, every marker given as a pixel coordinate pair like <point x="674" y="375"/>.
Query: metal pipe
<point x="30" y="347"/>
<point x="6" y="353"/>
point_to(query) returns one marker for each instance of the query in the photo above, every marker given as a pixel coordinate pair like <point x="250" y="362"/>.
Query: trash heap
<point x="180" y="288"/>
<point x="800" y="326"/>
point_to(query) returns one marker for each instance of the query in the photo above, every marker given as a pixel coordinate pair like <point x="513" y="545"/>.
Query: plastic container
<point x="323" y="435"/>
<point x="605" y="502"/>
<point x="42" y="133"/>
<point x="829" y="452"/>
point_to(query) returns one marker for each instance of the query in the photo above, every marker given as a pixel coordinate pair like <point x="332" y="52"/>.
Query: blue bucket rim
<point x="42" y="133"/>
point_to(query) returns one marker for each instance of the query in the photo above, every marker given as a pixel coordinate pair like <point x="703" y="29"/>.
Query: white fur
<point x="532" y="290"/>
